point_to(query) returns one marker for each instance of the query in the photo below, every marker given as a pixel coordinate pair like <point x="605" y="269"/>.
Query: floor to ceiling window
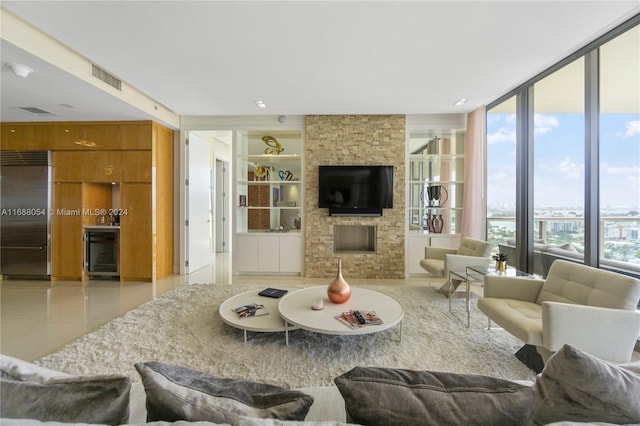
<point x="619" y="225"/>
<point x="501" y="174"/>
<point x="558" y="163"/>
<point x="574" y="132"/>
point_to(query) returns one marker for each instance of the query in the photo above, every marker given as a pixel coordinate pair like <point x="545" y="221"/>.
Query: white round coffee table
<point x="270" y="323"/>
<point x="295" y="309"/>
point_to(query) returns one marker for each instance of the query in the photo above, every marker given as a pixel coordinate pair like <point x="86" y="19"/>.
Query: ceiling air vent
<point x="103" y="75"/>
<point x="35" y="110"/>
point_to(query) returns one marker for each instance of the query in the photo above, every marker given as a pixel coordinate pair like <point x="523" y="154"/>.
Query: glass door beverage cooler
<point x="101" y="254"/>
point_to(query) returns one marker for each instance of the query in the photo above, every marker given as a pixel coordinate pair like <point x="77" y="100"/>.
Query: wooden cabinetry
<point x="136" y="166"/>
<point x="136" y="238"/>
<point x="135" y="136"/>
<point x="66" y="231"/>
<point x="89" y="160"/>
<point x="85" y="136"/>
<point x="67" y="166"/>
<point x="101" y="166"/>
<point x="18" y="136"/>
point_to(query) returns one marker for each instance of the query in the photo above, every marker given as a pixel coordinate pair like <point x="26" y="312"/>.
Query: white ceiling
<point x="300" y="57"/>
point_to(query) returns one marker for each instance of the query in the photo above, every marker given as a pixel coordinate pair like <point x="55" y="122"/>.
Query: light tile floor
<point x="39" y="317"/>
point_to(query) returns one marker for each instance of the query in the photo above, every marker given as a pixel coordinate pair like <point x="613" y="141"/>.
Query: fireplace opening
<point x="354" y="239"/>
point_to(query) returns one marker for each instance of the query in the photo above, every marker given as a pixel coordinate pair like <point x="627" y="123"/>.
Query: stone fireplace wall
<point x="355" y="140"/>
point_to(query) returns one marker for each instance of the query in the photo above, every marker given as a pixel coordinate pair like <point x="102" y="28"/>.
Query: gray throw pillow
<point x="178" y="393"/>
<point x="252" y="421"/>
<point x="385" y="396"/>
<point x="31" y="392"/>
<point x="576" y="386"/>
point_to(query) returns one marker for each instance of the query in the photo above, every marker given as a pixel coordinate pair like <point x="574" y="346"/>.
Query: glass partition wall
<point x="565" y="148"/>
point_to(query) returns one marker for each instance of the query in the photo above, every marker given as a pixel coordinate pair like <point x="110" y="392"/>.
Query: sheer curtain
<point x="474" y="218"/>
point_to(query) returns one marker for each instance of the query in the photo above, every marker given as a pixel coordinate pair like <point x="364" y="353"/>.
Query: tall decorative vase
<point x="438" y="223"/>
<point x="430" y="222"/>
<point x="339" y="290"/>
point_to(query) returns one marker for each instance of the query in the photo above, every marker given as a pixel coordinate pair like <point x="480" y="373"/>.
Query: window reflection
<point x="620" y="152"/>
<point x="501" y="178"/>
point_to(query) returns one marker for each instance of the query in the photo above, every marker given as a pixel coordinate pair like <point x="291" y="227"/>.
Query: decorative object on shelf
<point x="437" y="195"/>
<point x="437" y="222"/>
<point x="242" y="201"/>
<point x="426" y="223"/>
<point x="339" y="290"/>
<point x="260" y="171"/>
<point x="273" y="146"/>
<point x="429" y="222"/>
<point x="501" y="261"/>
<point x="285" y="175"/>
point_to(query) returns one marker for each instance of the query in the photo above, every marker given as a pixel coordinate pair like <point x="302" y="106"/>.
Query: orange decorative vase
<point x="339" y="290"/>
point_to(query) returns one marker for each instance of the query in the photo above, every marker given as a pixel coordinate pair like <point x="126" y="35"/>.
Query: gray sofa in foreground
<point x="573" y="388"/>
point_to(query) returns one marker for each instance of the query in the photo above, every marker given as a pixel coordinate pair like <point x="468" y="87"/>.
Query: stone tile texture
<point x="354" y="140"/>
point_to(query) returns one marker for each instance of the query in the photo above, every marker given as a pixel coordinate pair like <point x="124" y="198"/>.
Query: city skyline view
<point x="559" y="161"/>
<point x="559" y="182"/>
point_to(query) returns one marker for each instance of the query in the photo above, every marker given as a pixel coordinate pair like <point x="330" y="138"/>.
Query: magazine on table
<point x="357" y="318"/>
<point x="251" y="310"/>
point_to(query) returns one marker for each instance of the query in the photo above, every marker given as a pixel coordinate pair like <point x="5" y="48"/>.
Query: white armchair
<point x="439" y="261"/>
<point x="588" y="308"/>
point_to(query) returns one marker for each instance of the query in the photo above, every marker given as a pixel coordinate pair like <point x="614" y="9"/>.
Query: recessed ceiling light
<point x="261" y="104"/>
<point x="460" y="101"/>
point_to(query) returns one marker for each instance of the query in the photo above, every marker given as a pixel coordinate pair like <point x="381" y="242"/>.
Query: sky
<point x="559" y="160"/>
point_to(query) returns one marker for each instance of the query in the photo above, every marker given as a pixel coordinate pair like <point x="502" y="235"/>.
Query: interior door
<point x="199" y="204"/>
<point x="222" y="207"/>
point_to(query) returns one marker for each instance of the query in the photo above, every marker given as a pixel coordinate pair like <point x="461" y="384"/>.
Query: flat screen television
<point x="355" y="187"/>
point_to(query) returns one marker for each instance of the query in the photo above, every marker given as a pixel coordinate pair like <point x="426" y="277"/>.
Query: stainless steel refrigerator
<point x="25" y="206"/>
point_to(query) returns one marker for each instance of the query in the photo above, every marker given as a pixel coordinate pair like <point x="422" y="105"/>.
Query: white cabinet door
<point x="246" y="253"/>
<point x="268" y="253"/>
<point x="290" y="253"/>
<point x="416" y="246"/>
<point x="444" y="241"/>
<point x="416" y="254"/>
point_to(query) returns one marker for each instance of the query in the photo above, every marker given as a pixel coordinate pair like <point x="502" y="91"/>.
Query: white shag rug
<point x="183" y="327"/>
